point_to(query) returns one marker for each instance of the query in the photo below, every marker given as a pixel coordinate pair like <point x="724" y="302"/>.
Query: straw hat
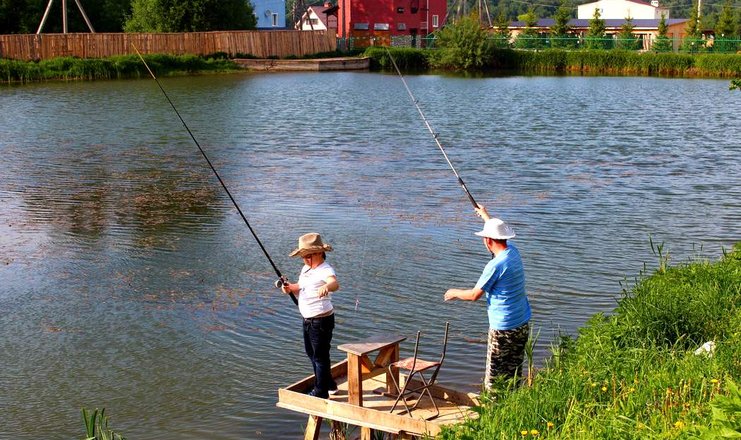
<point x="310" y="243"/>
<point x="496" y="229"/>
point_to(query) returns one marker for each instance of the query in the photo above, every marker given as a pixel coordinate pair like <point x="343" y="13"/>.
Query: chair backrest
<point x="416" y="350"/>
<point x="442" y="357"/>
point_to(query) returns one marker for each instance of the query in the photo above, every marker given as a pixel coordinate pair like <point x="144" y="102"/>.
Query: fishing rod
<point x="281" y="279"/>
<point x="432" y="132"/>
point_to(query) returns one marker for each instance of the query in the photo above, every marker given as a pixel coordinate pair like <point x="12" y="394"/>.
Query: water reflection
<point x="129" y="281"/>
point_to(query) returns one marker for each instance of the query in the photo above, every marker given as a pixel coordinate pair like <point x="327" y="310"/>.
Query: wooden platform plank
<point x="455" y="406"/>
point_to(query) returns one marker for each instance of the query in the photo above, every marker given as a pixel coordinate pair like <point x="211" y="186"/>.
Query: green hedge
<point x="407" y="58"/>
<point x="126" y="66"/>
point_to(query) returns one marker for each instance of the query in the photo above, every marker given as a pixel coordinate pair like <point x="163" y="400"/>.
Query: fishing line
<point x="429" y="128"/>
<point x="281" y="279"/>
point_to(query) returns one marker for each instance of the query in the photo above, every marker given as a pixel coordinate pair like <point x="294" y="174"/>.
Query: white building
<point x="614" y="9"/>
<point x="319" y="18"/>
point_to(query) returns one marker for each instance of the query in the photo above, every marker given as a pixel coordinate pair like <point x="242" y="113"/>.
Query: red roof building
<point x="375" y="22"/>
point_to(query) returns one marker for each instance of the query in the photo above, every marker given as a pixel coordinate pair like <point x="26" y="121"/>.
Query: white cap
<point x="496" y="229"/>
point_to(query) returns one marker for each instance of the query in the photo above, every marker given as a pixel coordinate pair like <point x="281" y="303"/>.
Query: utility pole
<point x="64" y="16"/>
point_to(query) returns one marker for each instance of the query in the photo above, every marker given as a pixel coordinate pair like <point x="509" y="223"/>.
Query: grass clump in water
<point x="635" y="374"/>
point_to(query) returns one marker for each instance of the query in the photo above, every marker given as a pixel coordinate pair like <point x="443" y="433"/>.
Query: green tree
<point x="190" y="15"/>
<point x="14" y="18"/>
<point x="107" y="15"/>
<point x="560" y="30"/>
<point x="462" y="45"/>
<point x="693" y="39"/>
<point x="726" y="39"/>
<point x="625" y="38"/>
<point x="502" y="34"/>
<point x="662" y="43"/>
<point x="24" y="16"/>
<point x="596" y="36"/>
<point x="529" y="38"/>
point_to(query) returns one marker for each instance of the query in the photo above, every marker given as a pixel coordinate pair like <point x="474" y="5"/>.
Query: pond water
<point x="129" y="281"/>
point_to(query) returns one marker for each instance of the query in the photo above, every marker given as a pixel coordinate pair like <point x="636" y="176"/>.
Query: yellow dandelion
<point x="534" y="432"/>
<point x="549" y="425"/>
<point x="631" y="389"/>
<point x="713" y="380"/>
<point x="604" y="388"/>
<point x="594" y="384"/>
<point x="679" y="424"/>
<point x="523" y="432"/>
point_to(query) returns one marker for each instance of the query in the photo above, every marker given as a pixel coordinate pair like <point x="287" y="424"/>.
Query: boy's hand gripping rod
<point x="281" y="279"/>
<point x="434" y="135"/>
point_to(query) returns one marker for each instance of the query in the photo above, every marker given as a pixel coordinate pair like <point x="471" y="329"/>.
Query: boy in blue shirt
<point x="503" y="283"/>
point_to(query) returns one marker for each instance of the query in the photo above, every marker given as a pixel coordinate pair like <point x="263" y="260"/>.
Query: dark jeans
<point x="317" y="341"/>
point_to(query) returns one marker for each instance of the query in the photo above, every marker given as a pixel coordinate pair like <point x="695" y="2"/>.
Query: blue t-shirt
<point x="503" y="282"/>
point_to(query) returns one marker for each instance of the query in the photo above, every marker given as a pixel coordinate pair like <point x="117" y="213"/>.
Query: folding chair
<point x="415" y="366"/>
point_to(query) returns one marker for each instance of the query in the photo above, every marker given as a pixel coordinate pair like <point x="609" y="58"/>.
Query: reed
<point x="635" y="374"/>
<point x="118" y="67"/>
<point x="96" y="426"/>
<point x="601" y="62"/>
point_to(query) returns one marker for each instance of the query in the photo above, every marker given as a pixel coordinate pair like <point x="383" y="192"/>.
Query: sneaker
<point x="333" y="389"/>
<point x="316" y="393"/>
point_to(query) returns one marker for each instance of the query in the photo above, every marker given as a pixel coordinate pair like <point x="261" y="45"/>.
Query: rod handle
<point x="282" y="281"/>
<point x="470" y="197"/>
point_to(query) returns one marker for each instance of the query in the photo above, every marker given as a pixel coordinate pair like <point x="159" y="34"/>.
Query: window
<point x="275" y="20"/>
<point x="381" y="27"/>
<point x="360" y="26"/>
<point x="400" y="10"/>
<point x="435" y="21"/>
<point x="401" y="26"/>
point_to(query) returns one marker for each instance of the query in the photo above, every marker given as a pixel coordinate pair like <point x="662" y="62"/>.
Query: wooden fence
<point x="261" y="44"/>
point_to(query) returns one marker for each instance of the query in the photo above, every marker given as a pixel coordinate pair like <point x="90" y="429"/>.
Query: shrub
<point x="407" y="58"/>
<point x="462" y="45"/>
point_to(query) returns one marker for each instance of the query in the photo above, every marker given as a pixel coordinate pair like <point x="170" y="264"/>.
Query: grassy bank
<point x="120" y="67"/>
<point x="604" y="62"/>
<point x="634" y="374"/>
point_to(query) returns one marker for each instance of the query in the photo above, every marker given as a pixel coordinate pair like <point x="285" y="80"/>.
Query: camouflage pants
<point x="505" y="353"/>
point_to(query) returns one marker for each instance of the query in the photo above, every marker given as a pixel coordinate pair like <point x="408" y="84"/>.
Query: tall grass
<point x="634" y="374"/>
<point x="118" y="67"/>
<point x="605" y="62"/>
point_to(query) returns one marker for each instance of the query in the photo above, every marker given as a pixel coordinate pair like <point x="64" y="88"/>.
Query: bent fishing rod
<point x="281" y="279"/>
<point x="432" y="132"/>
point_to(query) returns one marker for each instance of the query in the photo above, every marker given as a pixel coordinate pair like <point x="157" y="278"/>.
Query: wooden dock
<point x="373" y="410"/>
<point x="311" y="65"/>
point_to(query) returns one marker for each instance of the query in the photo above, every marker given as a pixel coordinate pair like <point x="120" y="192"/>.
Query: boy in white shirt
<point x="315" y="283"/>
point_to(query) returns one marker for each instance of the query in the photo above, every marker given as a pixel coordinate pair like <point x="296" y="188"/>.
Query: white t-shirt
<point x="309" y="303"/>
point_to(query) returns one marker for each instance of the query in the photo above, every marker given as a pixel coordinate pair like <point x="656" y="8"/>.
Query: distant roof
<point x="610" y="23"/>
